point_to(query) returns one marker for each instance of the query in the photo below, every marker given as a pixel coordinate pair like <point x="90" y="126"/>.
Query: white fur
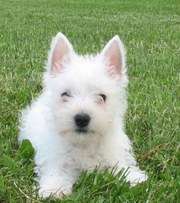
<point x="61" y="152"/>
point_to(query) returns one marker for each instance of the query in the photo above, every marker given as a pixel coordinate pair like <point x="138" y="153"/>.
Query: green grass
<point x="150" y="31"/>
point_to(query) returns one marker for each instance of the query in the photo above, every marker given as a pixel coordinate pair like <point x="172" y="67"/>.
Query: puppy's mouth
<point x="82" y="130"/>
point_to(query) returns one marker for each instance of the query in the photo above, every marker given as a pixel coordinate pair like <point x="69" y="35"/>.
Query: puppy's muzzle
<point x="82" y="121"/>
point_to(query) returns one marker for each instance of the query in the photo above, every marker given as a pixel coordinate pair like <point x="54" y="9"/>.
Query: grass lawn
<point x="151" y="33"/>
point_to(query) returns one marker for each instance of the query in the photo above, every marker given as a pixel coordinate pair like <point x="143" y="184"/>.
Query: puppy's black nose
<point x="82" y="120"/>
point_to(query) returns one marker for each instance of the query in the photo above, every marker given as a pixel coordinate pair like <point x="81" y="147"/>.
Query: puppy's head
<point x="86" y="93"/>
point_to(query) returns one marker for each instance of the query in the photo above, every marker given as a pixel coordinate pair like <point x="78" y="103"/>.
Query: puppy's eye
<point x="103" y="97"/>
<point x="66" y="94"/>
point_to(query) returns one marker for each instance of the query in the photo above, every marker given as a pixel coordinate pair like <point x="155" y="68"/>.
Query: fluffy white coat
<point x="73" y="84"/>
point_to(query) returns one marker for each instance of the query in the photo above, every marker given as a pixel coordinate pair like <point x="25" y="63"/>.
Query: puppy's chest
<point x="86" y="157"/>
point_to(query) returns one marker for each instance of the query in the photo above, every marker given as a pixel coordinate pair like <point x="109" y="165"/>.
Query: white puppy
<point x="77" y="123"/>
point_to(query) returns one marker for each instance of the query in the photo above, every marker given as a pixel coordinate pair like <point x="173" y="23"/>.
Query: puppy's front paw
<point x="55" y="191"/>
<point x="135" y="177"/>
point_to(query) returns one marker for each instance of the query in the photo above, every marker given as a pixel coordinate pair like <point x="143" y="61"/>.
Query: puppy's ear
<point x="114" y="55"/>
<point x="60" y="53"/>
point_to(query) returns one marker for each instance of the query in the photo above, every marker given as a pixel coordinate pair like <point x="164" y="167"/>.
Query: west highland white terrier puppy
<point x="77" y="123"/>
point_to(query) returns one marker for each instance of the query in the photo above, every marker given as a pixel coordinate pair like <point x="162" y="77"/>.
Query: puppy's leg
<point x="52" y="177"/>
<point x="55" y="183"/>
<point x="38" y="127"/>
<point x="133" y="173"/>
<point x="126" y="160"/>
